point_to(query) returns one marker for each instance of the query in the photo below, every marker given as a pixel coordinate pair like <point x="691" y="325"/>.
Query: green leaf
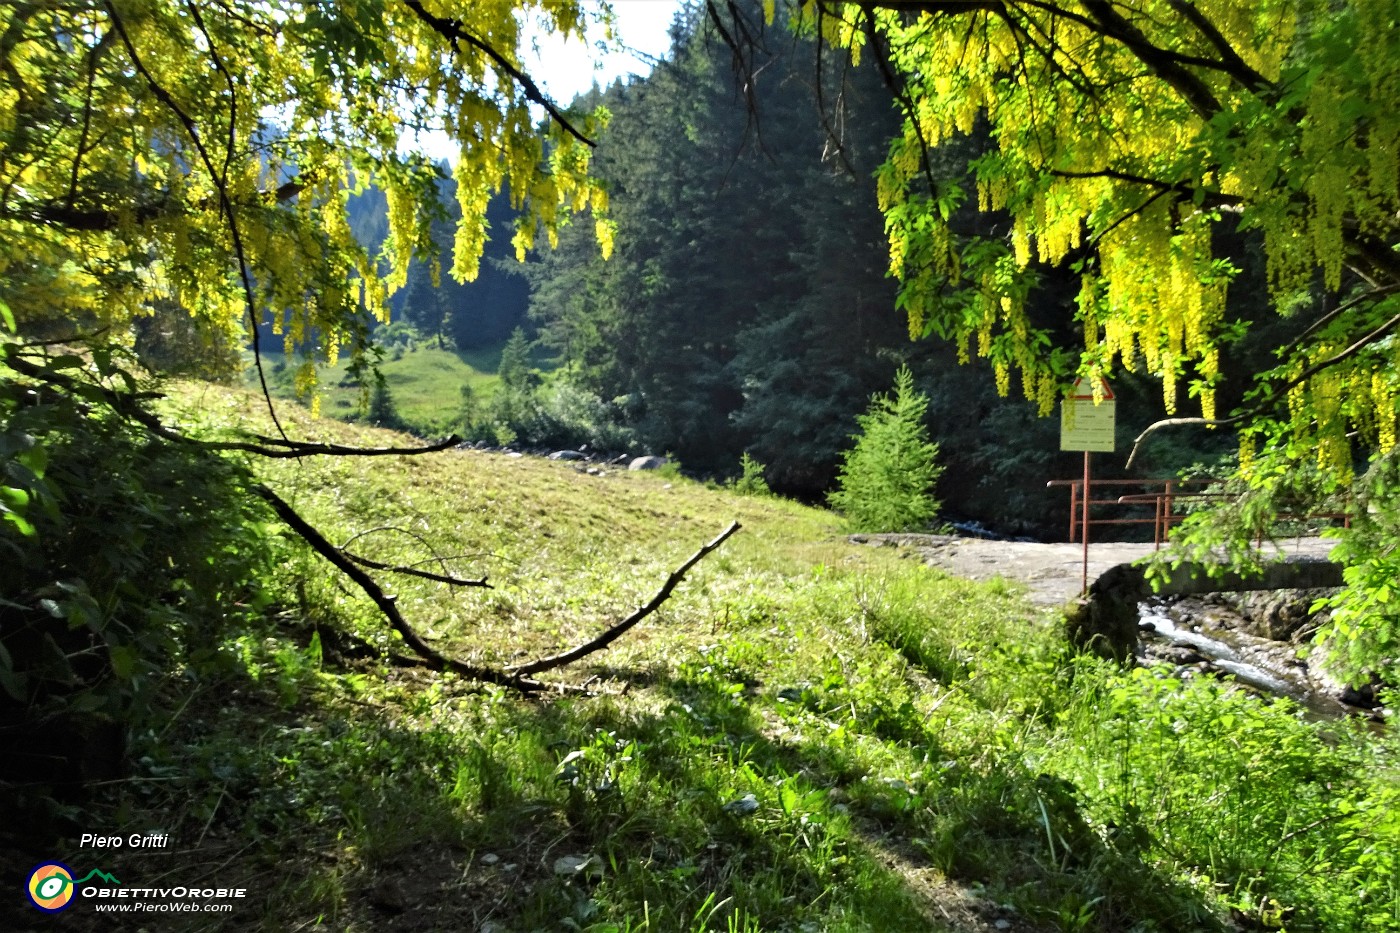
<point x="123" y="659"/>
<point x="22" y="524"/>
<point x="14" y="684"/>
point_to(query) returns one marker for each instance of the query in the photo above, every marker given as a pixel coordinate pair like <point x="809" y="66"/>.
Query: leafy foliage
<point x="1363" y="633"/>
<point x="1214" y="110"/>
<point x="206" y="155"/>
<point x="1156" y="151"/>
<point x="126" y="560"/>
<point x="475" y="314"/>
<point x="750" y="481"/>
<point x="886" y="479"/>
<point x="745" y="305"/>
<point x="850" y="723"/>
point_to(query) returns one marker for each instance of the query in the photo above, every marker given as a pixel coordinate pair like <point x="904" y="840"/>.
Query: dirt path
<point x="1053" y="573"/>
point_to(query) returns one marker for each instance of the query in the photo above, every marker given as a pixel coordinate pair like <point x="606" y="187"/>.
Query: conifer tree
<point x="886" y="479"/>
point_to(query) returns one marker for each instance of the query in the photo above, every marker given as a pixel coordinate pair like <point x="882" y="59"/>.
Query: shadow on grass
<point x="694" y="805"/>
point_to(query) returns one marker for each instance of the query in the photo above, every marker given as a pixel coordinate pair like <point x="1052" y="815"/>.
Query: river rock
<point x="1107" y="622"/>
<point x="568" y="455"/>
<point x="647" y="463"/>
<point x="1280" y="615"/>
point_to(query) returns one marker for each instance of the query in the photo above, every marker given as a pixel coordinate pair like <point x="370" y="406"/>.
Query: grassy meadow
<point x="425" y="382"/>
<point x="810" y="735"/>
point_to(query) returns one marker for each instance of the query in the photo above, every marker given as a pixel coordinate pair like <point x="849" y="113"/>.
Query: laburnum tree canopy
<point x="1124" y="139"/>
<point x="1131" y="142"/>
<point x="205" y="151"/>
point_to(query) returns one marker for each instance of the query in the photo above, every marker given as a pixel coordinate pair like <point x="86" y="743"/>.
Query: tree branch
<point x="415" y="572"/>
<point x="1186" y="189"/>
<point x="1230" y="61"/>
<point x="225" y="202"/>
<point x="453" y="31"/>
<point x="98" y="220"/>
<point x="127" y="404"/>
<point x="1275" y="394"/>
<point x="285" y="449"/>
<point x="612" y="634"/>
<point x="387" y="604"/>
<point x="1156" y="426"/>
<point x="1344" y="307"/>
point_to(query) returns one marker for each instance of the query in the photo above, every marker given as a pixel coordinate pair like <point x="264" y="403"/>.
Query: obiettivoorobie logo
<point x="52" y="886"/>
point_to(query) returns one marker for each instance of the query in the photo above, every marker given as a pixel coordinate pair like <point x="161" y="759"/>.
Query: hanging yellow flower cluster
<point x="1125" y="139"/>
<point x="208" y="152"/>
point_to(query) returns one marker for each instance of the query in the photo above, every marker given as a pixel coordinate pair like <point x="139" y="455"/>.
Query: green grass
<point x="810" y="735"/>
<point x="424" y="381"/>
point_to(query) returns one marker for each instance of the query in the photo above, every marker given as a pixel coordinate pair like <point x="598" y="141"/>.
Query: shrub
<point x="127" y="559"/>
<point x="557" y="415"/>
<point x="383" y="412"/>
<point x="750" y="481"/>
<point x="885" y="482"/>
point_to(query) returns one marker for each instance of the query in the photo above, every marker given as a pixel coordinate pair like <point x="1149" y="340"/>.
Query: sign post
<point x="1088" y="426"/>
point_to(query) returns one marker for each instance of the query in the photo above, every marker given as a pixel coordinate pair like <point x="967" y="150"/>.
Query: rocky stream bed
<point x="1260" y="638"/>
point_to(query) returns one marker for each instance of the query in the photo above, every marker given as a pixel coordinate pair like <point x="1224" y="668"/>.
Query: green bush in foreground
<point x="886" y="481"/>
<point x="127" y="563"/>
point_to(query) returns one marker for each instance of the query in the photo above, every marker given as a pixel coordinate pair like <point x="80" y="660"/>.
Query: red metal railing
<point x="1163" y="496"/>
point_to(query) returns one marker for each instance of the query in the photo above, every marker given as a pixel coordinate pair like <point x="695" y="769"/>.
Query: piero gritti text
<point x="133" y="841"/>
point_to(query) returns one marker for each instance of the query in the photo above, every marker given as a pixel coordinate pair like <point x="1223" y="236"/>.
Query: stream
<point x="1193" y="637"/>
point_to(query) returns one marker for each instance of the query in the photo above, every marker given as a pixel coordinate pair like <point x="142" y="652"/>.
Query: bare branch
<point x="616" y="631"/>
<point x="454" y="31"/>
<point x="387" y="604"/>
<point x="1156" y="426"/>
<point x="127" y="404"/>
<point x="1276" y="393"/>
<point x="835" y="137"/>
<point x="414" y="572"/>
<point x="284" y="449"/>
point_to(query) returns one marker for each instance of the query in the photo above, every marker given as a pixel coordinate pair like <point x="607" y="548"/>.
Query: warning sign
<point x="1084" y="425"/>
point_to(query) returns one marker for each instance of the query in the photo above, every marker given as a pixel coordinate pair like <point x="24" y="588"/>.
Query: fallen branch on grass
<point x="415" y="572"/>
<point x="386" y="604"/>
<point x="612" y="634"/>
<point x="517" y="677"/>
<point x="128" y="405"/>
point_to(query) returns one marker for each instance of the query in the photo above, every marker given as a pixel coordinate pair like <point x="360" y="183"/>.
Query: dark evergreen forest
<point x="747" y="307"/>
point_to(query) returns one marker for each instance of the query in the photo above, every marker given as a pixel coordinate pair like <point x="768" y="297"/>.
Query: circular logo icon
<point x="51" y="887"/>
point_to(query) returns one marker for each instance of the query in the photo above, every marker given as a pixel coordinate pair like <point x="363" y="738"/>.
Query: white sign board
<point x="1084" y="425"/>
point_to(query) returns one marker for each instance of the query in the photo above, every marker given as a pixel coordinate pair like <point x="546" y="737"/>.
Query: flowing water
<point x="1267" y="666"/>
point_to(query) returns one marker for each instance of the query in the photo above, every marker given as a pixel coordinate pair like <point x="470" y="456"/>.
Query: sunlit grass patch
<point x="425" y="383"/>
<point x="809" y="735"/>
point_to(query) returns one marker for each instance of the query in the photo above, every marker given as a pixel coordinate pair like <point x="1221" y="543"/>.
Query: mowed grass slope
<point x="809" y="736"/>
<point x="425" y="383"/>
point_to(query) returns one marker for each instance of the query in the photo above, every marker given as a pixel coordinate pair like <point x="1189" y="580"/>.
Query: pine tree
<point x="886" y="480"/>
<point x="383" y="412"/>
<point x="423" y="304"/>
